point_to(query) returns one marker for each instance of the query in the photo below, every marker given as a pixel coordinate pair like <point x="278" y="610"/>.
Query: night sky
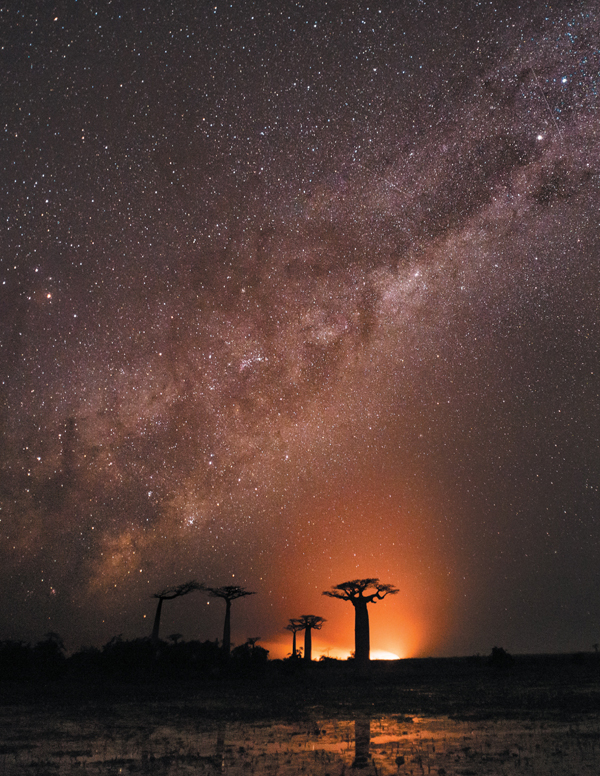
<point x="294" y="293"/>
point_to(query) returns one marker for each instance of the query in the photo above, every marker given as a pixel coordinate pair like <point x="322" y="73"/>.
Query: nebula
<point x="294" y="296"/>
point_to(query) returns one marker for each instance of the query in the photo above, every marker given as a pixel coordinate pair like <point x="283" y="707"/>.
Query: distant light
<point x="381" y="654"/>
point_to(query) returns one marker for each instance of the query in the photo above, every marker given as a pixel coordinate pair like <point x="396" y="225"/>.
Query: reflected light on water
<point x="164" y="740"/>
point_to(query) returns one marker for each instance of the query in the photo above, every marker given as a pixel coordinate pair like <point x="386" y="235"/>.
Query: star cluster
<point x="296" y="293"/>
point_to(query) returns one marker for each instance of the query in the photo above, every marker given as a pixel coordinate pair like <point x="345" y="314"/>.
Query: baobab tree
<point x="166" y="595"/>
<point x="294" y="626"/>
<point x="228" y="593"/>
<point x="361" y="593"/>
<point x="308" y="623"/>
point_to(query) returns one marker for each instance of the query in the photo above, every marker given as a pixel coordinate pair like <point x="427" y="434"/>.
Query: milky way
<point x="294" y="294"/>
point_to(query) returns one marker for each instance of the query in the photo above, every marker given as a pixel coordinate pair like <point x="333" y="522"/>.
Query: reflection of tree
<point x="167" y="595"/>
<point x="308" y="623"/>
<point x="220" y="749"/>
<point x="361" y="593"/>
<point x="362" y="742"/>
<point x="228" y="593"/>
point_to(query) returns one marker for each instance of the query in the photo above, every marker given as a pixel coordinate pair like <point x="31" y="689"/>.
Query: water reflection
<point x="165" y="742"/>
<point x="362" y="742"/>
<point x="220" y="749"/>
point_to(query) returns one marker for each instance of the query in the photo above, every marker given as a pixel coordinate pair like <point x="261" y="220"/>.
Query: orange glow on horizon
<point x="381" y="654"/>
<point x="384" y="530"/>
<point x="368" y="536"/>
<point x="278" y="650"/>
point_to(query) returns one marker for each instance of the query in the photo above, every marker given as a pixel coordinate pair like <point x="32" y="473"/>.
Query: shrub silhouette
<point x="249" y="657"/>
<point x="15" y="660"/>
<point x="86" y="665"/>
<point x="49" y="661"/>
<point x="500" y="658"/>
<point x="128" y="659"/>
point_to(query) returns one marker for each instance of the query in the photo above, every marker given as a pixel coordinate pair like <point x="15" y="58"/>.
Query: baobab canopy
<point x="357" y="589"/>
<point x="168" y="594"/>
<point x="360" y="593"/>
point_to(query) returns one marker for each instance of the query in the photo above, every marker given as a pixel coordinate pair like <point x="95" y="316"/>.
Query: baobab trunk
<point x="354" y="591"/>
<point x="227" y="628"/>
<point x="362" y="639"/>
<point x="228" y="593"/>
<point x="156" y="626"/>
<point x="308" y="644"/>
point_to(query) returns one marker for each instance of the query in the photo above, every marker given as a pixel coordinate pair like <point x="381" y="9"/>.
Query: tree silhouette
<point x="49" y="657"/>
<point x="294" y="626"/>
<point x="229" y="593"/>
<point x="358" y="592"/>
<point x="166" y="595"/>
<point x="308" y="623"/>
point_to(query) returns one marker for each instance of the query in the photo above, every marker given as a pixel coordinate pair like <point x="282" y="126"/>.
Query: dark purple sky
<point x="294" y="293"/>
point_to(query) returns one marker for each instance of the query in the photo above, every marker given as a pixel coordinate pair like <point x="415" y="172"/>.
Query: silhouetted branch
<point x="360" y="593"/>
<point x="175" y="592"/>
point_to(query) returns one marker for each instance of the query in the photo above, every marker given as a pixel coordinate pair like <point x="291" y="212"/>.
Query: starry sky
<point x="294" y="293"/>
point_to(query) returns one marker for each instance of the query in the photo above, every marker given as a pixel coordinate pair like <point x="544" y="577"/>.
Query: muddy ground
<point x="447" y="717"/>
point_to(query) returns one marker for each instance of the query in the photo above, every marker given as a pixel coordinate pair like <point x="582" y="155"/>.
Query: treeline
<point x="153" y="657"/>
<point x="124" y="660"/>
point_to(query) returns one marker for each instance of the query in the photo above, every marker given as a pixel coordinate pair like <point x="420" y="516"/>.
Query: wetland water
<point x="171" y="739"/>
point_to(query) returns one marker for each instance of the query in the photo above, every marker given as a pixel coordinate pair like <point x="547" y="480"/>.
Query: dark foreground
<point x="463" y="688"/>
<point x="534" y="715"/>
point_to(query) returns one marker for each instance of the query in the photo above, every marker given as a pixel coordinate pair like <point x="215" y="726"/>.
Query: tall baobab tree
<point x="228" y="593"/>
<point x="361" y="593"/>
<point x="166" y="595"/>
<point x="294" y="626"/>
<point x="308" y="623"/>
